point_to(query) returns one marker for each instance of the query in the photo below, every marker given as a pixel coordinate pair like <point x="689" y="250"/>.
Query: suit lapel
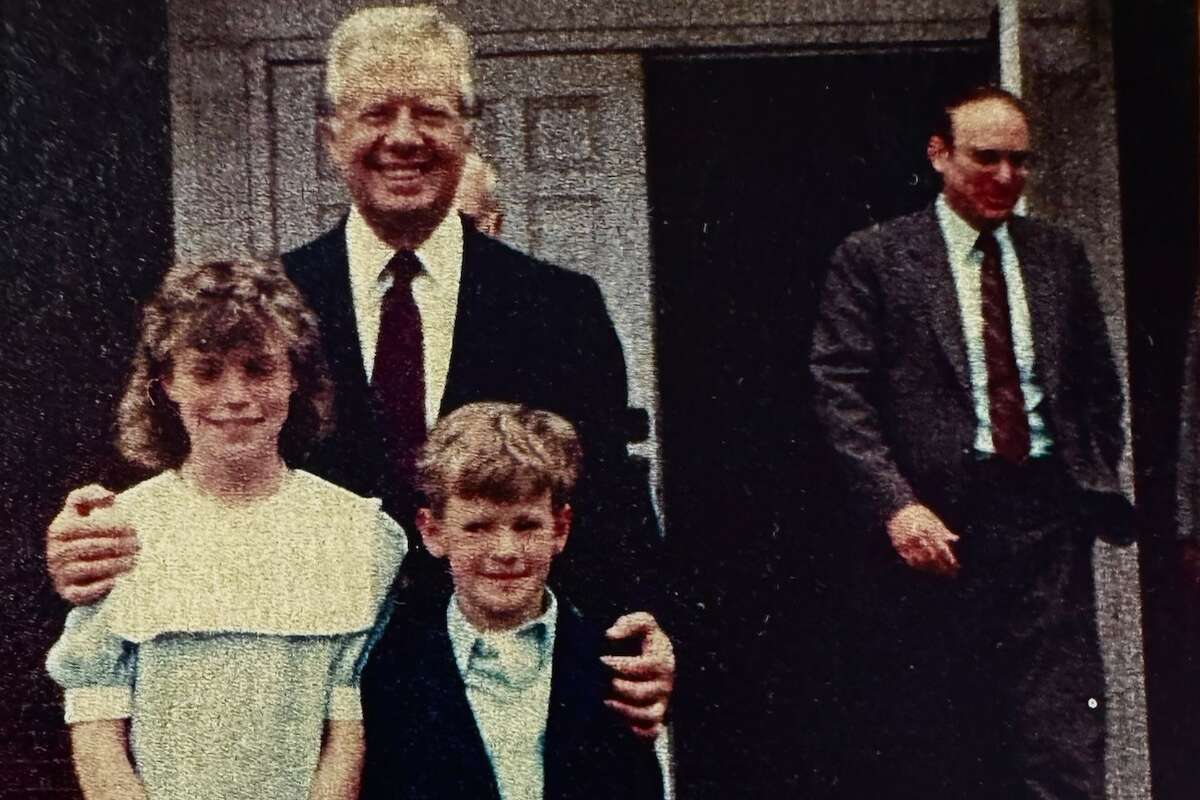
<point x="451" y="723"/>
<point x="322" y="271"/>
<point x="576" y="697"/>
<point x="475" y="299"/>
<point x="1045" y="297"/>
<point x="928" y="263"/>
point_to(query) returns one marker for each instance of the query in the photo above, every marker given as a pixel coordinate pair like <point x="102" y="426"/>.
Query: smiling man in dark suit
<point x="964" y="378"/>
<point x="421" y="314"/>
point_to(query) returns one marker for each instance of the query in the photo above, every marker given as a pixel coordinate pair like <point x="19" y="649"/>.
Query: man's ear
<point x="562" y="527"/>
<point x="431" y="532"/>
<point x="167" y="384"/>
<point x="327" y="133"/>
<point x="468" y="117"/>
<point x="938" y="150"/>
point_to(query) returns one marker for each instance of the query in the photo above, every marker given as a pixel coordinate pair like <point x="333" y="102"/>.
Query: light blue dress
<point x="238" y="634"/>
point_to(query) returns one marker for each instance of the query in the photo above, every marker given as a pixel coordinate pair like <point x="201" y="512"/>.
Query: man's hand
<point x="642" y="684"/>
<point x="88" y="546"/>
<point x="923" y="541"/>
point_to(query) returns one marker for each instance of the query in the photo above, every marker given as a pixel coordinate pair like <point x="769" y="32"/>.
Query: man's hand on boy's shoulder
<point x="643" y="682"/>
<point x="88" y="545"/>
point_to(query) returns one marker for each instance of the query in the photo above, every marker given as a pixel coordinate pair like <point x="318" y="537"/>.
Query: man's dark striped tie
<point x="1006" y="403"/>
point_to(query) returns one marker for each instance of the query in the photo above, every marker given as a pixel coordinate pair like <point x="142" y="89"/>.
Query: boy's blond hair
<point x="504" y="452"/>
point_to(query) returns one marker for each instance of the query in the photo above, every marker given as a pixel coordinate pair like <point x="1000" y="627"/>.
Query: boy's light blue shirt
<point x="507" y="675"/>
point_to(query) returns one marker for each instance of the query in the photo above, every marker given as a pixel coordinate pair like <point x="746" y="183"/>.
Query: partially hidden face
<point x="398" y="135"/>
<point x="499" y="554"/>
<point x="984" y="169"/>
<point x="233" y="403"/>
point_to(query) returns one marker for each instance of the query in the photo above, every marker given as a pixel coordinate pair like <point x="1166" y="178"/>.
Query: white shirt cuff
<point x="98" y="702"/>
<point x="344" y="703"/>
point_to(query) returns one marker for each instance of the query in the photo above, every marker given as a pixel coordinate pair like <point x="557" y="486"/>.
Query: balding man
<point x="478" y="200"/>
<point x="965" y="380"/>
<point x="420" y="314"/>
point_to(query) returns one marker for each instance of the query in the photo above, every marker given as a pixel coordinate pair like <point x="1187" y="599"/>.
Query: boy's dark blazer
<point x="528" y="332"/>
<point x="422" y="742"/>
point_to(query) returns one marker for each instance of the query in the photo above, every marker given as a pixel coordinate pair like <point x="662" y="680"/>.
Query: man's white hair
<point x="397" y="29"/>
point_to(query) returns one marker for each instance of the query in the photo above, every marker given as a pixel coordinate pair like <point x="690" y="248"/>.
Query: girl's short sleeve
<point x="94" y="666"/>
<point x="348" y="667"/>
<point x="392" y="546"/>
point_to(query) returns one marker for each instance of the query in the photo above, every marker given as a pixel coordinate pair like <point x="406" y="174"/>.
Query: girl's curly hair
<point x="215" y="307"/>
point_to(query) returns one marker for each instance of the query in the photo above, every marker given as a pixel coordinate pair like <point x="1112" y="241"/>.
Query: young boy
<point x="497" y="691"/>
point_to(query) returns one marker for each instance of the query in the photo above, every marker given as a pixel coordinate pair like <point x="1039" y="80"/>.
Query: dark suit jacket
<point x="421" y="736"/>
<point x="1187" y="479"/>
<point x="526" y="332"/>
<point x="889" y="361"/>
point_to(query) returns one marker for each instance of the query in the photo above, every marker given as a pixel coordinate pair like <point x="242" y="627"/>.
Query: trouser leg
<point x="913" y="707"/>
<point x="1038" y="659"/>
<point x="1027" y="586"/>
<point x="1057" y="684"/>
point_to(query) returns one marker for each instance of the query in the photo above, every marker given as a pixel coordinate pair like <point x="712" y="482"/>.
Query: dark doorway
<point x="1156" y="54"/>
<point x="758" y="167"/>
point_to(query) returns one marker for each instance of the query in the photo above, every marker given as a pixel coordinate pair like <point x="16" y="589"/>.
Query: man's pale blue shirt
<point x="965" y="263"/>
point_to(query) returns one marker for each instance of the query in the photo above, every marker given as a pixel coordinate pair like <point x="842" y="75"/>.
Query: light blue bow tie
<point x="507" y="660"/>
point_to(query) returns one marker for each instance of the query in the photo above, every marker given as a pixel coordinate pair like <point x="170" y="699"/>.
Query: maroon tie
<point x="398" y="378"/>
<point x="1006" y="403"/>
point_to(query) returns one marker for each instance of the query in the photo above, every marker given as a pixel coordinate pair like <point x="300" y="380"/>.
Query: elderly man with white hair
<point x="421" y="314"/>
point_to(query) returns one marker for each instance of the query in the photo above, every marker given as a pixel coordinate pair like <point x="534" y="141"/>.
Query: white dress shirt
<point x="510" y="694"/>
<point x="965" y="263"/>
<point x="435" y="290"/>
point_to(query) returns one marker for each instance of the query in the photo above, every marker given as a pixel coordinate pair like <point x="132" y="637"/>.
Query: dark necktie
<point x="1006" y="403"/>
<point x="398" y="378"/>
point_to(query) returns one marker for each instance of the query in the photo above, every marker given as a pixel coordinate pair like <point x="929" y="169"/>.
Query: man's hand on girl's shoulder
<point x="89" y="545"/>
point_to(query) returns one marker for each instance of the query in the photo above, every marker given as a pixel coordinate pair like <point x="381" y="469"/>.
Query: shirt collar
<point x="440" y="254"/>
<point x="463" y="634"/>
<point x="960" y="235"/>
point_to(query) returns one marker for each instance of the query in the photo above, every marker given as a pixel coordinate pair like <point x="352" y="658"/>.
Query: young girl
<point x="230" y="654"/>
